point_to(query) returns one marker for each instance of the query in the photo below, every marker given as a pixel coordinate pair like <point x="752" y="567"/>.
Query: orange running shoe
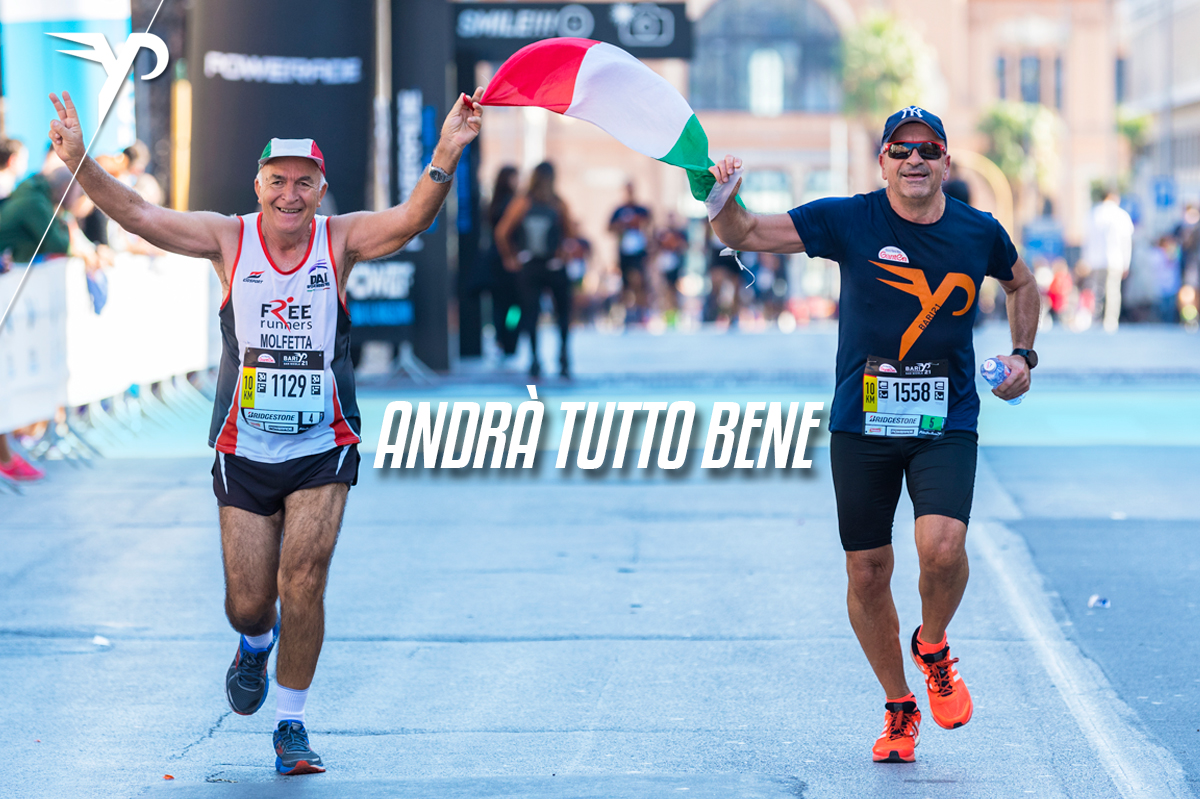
<point x="901" y="732"/>
<point x="949" y="699"/>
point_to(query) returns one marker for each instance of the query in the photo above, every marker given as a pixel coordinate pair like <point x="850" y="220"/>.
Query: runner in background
<point x="631" y="225"/>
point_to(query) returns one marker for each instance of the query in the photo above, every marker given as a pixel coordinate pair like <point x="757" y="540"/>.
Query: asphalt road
<point x="558" y="633"/>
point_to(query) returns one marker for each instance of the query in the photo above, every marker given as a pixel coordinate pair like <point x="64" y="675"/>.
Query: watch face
<point x="1030" y="356"/>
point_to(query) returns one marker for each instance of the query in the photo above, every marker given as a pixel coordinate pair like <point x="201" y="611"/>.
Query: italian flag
<point x="608" y="87"/>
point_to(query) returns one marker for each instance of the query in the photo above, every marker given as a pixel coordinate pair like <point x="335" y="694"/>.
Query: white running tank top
<point x="285" y="388"/>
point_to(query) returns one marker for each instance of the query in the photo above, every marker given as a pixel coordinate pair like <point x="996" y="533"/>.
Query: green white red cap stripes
<point x="295" y="148"/>
<point x="608" y="87"/>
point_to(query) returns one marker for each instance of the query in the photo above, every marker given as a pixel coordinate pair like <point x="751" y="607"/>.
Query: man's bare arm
<point x="1024" y="305"/>
<point x="199" y="234"/>
<point x="738" y="228"/>
<point x="365" y="235"/>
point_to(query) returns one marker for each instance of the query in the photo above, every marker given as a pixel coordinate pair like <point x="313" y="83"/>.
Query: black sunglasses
<point x="929" y="150"/>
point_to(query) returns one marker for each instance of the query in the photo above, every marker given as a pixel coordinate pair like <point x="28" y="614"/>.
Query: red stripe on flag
<point x="539" y="74"/>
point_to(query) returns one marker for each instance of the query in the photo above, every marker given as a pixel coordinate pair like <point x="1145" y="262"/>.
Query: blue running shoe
<point x="292" y="755"/>
<point x="246" y="681"/>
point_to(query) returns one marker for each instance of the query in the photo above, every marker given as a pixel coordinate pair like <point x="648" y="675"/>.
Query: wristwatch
<point x="1029" y="355"/>
<point x="439" y="175"/>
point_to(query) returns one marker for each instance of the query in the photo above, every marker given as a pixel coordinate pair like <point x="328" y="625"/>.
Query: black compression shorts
<point x="867" y="472"/>
<point x="261" y="487"/>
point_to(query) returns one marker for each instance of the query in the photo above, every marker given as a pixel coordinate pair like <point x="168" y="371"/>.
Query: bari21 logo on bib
<point x="116" y="66"/>
<point x="931" y="301"/>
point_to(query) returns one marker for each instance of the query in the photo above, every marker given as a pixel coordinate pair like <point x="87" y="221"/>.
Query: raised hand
<point x="723" y="170"/>
<point x="463" y="122"/>
<point x="66" y="134"/>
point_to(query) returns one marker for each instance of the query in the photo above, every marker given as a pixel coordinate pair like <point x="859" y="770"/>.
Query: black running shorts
<point x="867" y="472"/>
<point x="261" y="487"/>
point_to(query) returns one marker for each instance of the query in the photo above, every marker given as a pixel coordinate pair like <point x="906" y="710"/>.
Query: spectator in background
<point x="30" y="212"/>
<point x="530" y="236"/>
<point x="1059" y="292"/>
<point x="1107" y="250"/>
<point x="26" y="215"/>
<point x="670" y="246"/>
<point x="135" y="176"/>
<point x="956" y="187"/>
<point x="14" y="163"/>
<point x="503" y="284"/>
<point x="1187" y="234"/>
<point x="631" y="224"/>
<point x="1164" y="267"/>
<point x="725" y="284"/>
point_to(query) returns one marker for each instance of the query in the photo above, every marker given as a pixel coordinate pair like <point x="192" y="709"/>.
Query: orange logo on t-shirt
<point x="931" y="302"/>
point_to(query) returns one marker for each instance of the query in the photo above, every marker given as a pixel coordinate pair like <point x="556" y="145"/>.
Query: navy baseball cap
<point x="912" y="114"/>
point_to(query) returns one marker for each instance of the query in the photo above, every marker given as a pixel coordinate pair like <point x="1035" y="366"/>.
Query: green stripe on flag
<point x="690" y="152"/>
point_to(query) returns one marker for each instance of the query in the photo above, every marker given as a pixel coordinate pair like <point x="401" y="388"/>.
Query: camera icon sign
<point x="643" y="24"/>
<point x="575" y="20"/>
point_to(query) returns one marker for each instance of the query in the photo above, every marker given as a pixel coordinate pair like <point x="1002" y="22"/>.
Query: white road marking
<point x="1139" y="767"/>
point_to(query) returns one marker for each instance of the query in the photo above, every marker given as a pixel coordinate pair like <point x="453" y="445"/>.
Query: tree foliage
<point x="1023" y="142"/>
<point x="881" y="67"/>
<point x="1134" y="127"/>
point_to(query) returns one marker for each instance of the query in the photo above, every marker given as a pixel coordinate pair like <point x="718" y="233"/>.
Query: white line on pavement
<point x="1139" y="767"/>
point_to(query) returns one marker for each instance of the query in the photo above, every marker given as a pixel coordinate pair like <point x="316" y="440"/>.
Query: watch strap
<point x="1029" y="355"/>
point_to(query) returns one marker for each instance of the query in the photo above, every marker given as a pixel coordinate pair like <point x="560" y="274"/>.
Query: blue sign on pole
<point x="1164" y="191"/>
<point x="33" y="68"/>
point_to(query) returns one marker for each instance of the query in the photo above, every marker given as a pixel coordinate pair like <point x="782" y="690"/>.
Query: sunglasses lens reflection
<point x="928" y="150"/>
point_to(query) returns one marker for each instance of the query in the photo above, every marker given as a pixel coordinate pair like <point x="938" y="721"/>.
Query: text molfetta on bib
<point x="931" y="301"/>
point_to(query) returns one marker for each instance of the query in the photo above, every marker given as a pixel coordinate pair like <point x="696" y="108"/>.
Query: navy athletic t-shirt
<point x="909" y="291"/>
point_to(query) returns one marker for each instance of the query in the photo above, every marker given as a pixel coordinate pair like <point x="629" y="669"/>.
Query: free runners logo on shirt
<point x="931" y="301"/>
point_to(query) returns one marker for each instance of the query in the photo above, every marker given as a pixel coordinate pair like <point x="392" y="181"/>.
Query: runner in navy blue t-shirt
<point x="912" y="261"/>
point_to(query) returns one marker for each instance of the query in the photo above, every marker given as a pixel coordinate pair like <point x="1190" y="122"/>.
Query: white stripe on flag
<point x="629" y="100"/>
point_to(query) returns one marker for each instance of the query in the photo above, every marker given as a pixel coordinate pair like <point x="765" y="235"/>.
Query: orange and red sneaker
<point x="901" y="732"/>
<point x="949" y="699"/>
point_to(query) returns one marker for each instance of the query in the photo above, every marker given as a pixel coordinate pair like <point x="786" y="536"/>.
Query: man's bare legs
<point x="250" y="551"/>
<point x="312" y="518"/>
<point x="284" y="556"/>
<point x="941" y="549"/>
<point x="873" y="615"/>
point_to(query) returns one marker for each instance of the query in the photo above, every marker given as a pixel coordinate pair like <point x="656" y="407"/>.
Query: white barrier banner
<point x="155" y="324"/>
<point x="33" y="371"/>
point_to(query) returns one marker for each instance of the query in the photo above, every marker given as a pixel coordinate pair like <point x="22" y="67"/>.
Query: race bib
<point x="633" y="242"/>
<point x="905" y="399"/>
<point x="282" y="391"/>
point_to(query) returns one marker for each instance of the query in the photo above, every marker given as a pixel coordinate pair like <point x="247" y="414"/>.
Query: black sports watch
<point x="439" y="175"/>
<point x="1029" y="355"/>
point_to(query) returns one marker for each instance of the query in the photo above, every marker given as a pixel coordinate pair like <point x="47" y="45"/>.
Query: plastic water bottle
<point x="995" y="372"/>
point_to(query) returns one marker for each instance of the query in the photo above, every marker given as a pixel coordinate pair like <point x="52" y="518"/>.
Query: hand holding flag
<point x="608" y="87"/>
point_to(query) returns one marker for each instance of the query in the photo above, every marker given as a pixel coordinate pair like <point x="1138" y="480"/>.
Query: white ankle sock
<point x="259" y="642"/>
<point x="289" y="704"/>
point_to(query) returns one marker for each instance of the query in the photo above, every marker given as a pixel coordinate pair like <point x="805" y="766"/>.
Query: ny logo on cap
<point x="911" y="111"/>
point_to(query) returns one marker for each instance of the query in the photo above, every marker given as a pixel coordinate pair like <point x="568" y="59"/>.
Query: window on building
<point x="767" y="191"/>
<point x="1058" y="82"/>
<point x="1001" y="78"/>
<point x="1120" y="80"/>
<point x="766" y="82"/>
<point x="766" y="56"/>
<point x="1031" y="79"/>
